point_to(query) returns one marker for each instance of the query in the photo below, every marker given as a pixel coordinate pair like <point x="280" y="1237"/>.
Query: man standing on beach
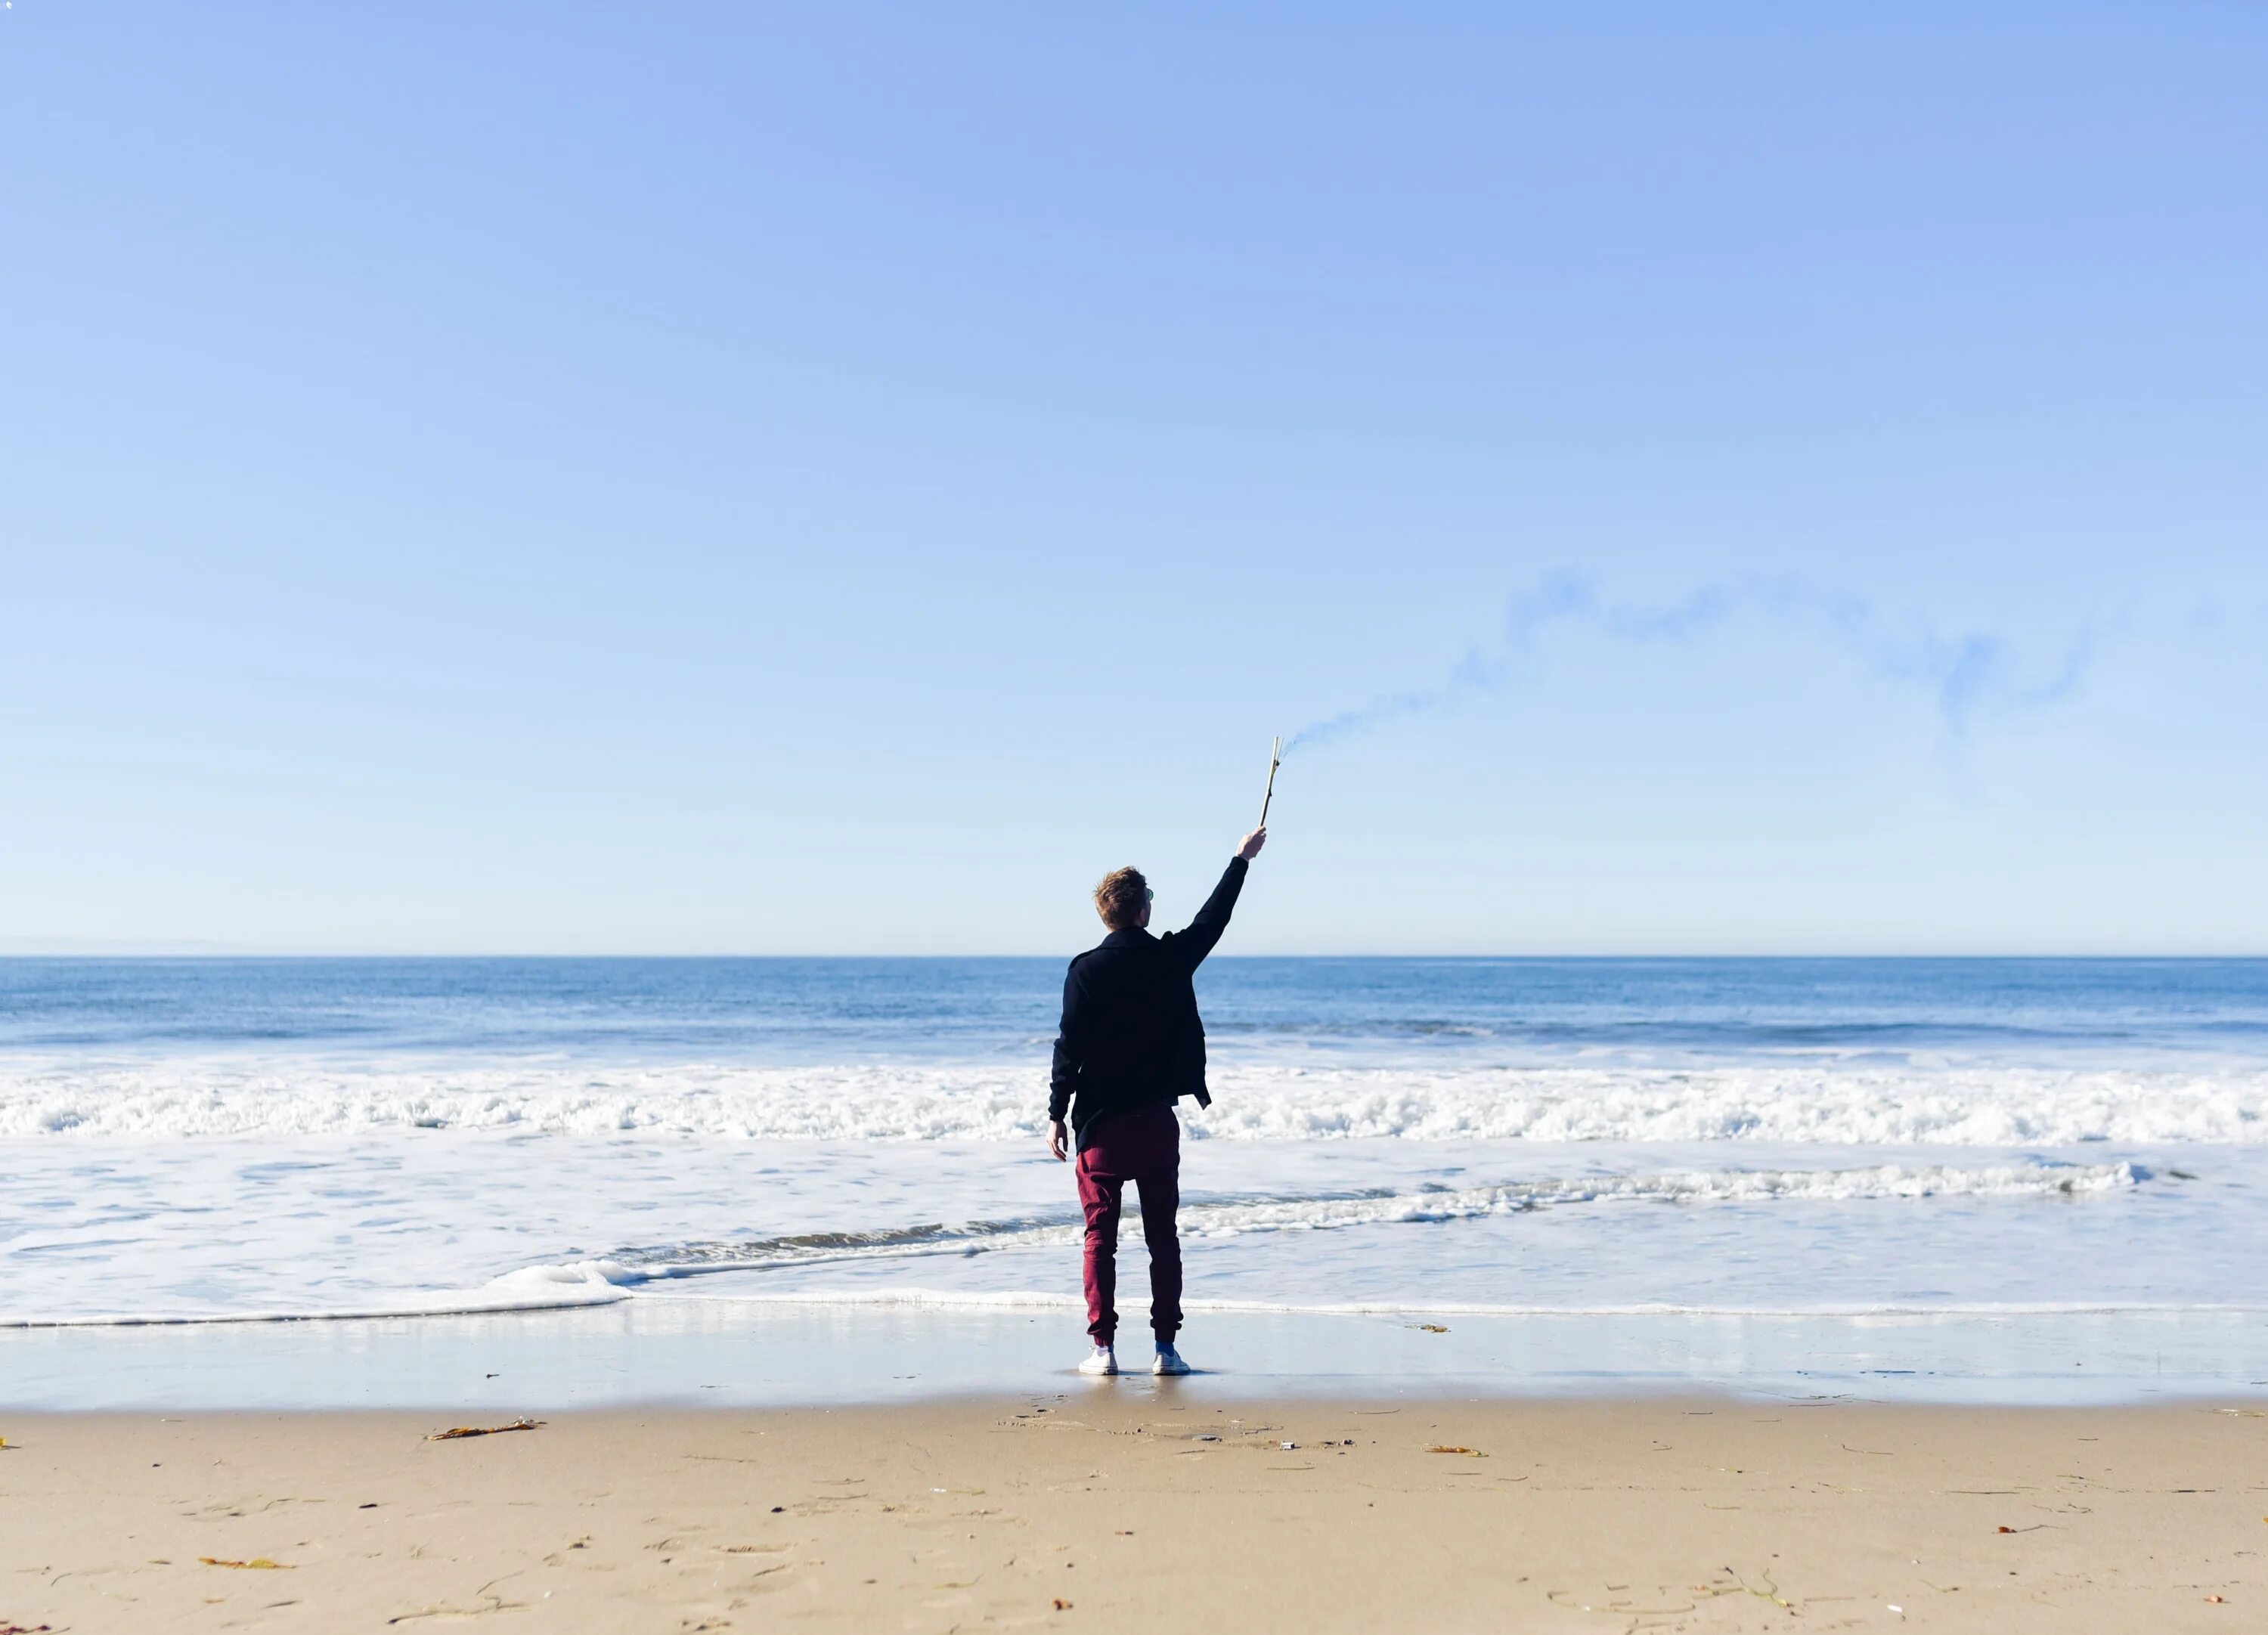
<point x="1131" y="1045"/>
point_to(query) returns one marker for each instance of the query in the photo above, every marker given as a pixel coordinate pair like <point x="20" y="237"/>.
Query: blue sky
<point x="726" y="478"/>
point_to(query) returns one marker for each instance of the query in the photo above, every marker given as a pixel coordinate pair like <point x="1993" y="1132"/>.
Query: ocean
<point x="205" y="1140"/>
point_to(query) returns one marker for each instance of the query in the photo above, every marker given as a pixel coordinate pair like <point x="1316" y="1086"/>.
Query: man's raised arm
<point x="1212" y="919"/>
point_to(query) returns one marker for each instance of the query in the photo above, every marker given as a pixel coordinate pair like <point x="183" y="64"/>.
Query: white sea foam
<point x="1019" y="1300"/>
<point x="1994" y="1107"/>
<point x="517" y="1294"/>
<point x="623" y="1273"/>
<point x="1234" y="1218"/>
<point x="534" y="1288"/>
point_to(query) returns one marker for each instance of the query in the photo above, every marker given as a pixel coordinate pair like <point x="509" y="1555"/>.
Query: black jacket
<point x="1130" y="1035"/>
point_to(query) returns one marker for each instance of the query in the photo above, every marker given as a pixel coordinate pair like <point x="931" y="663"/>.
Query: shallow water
<point x="709" y="1353"/>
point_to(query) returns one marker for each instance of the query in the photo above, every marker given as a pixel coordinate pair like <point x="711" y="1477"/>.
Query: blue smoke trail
<point x="1968" y="673"/>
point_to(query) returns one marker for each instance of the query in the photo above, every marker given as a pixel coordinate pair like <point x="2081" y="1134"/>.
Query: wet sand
<point x="1136" y="1506"/>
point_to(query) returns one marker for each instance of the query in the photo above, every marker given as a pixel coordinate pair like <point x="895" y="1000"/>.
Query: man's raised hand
<point x="1252" y="842"/>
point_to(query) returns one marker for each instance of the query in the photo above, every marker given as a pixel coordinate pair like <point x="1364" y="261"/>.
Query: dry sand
<point x="1136" y="1506"/>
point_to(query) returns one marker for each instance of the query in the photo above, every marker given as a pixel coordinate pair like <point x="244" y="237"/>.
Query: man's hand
<point x="1252" y="842"/>
<point x="1058" y="1141"/>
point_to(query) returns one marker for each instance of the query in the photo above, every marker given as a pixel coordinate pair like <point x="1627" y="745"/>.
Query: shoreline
<point x="1136" y="1502"/>
<point x="653" y="1352"/>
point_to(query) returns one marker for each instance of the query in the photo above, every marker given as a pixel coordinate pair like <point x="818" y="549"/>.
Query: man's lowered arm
<point x="1070" y="1053"/>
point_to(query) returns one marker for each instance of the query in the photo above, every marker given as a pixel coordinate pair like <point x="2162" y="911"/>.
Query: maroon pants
<point x="1143" y="1147"/>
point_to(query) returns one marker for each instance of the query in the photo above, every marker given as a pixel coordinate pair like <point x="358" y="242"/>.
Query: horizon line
<point x="161" y="951"/>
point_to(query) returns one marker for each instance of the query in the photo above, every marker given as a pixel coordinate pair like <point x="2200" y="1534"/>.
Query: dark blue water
<point x="790" y="1010"/>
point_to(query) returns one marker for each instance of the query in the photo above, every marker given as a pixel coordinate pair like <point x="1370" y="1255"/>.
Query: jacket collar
<point x="1128" y="937"/>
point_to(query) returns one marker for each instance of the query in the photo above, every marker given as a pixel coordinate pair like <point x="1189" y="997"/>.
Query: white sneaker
<point x="1169" y="1361"/>
<point x="1104" y="1361"/>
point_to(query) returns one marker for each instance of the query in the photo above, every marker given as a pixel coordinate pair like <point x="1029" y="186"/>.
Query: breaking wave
<point x="1849" y="1105"/>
